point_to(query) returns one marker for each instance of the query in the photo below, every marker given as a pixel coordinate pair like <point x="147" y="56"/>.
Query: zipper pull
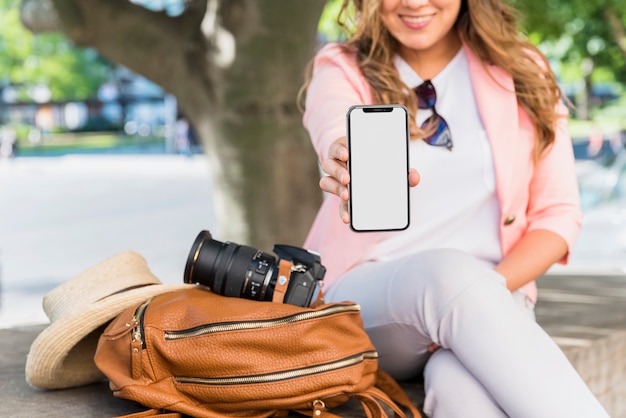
<point x="136" y="338"/>
<point x="318" y="408"/>
<point x="135" y="361"/>
<point x="137" y="335"/>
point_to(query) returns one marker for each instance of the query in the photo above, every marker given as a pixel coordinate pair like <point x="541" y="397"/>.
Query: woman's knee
<point x="441" y="372"/>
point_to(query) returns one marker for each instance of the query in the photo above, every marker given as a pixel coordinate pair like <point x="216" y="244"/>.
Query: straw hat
<point x="62" y="355"/>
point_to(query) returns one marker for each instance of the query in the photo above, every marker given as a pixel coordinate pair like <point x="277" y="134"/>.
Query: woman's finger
<point x="414" y="177"/>
<point x="343" y="212"/>
<point x="338" y="150"/>
<point x="330" y="185"/>
<point x="336" y="169"/>
<point x="338" y="177"/>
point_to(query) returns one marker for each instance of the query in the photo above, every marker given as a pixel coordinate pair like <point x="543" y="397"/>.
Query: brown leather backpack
<point x="197" y="353"/>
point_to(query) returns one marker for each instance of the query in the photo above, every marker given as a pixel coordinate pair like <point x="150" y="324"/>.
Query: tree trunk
<point x="277" y="180"/>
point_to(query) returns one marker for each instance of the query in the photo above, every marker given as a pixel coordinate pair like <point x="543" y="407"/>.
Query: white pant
<point x="495" y="360"/>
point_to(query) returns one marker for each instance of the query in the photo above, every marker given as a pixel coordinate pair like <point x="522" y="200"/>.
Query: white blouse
<point x="455" y="204"/>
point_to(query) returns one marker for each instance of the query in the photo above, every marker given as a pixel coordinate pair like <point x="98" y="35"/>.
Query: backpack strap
<point x="390" y="387"/>
<point x="161" y="413"/>
<point x="372" y="401"/>
<point x="153" y="413"/>
<point x="369" y="403"/>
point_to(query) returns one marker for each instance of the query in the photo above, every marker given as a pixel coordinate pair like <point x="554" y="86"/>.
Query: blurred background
<point x="136" y="124"/>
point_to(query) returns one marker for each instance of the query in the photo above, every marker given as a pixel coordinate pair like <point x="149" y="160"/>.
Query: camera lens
<point x="231" y="269"/>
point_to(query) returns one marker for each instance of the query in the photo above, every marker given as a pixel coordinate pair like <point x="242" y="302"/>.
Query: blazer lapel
<point x="497" y="105"/>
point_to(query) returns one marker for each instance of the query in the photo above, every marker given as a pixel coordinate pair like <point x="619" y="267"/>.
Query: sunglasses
<point x="426" y="99"/>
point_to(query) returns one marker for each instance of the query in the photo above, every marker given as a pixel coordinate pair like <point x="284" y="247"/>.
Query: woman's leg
<point x="460" y="303"/>
<point x="452" y="391"/>
<point x="453" y="400"/>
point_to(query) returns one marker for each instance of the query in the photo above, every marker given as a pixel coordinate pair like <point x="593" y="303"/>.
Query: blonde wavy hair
<point x="488" y="27"/>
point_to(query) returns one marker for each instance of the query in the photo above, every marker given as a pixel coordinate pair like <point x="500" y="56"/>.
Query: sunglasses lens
<point x="426" y="95"/>
<point x="441" y="136"/>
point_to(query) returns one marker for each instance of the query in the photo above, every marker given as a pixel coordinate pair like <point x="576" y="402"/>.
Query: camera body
<point x="305" y="274"/>
<point x="240" y="271"/>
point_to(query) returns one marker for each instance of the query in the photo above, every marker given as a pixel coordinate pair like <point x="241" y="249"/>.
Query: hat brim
<point x="62" y="354"/>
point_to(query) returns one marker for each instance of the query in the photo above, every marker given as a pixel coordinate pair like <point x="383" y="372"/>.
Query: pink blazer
<point x="542" y="196"/>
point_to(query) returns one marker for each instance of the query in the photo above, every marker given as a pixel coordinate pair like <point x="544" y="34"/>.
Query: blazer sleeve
<point x="336" y="85"/>
<point x="554" y="203"/>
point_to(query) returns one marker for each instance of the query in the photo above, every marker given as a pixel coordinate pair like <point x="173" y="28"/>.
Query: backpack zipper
<point x="137" y="338"/>
<point x="138" y="343"/>
<point x="284" y="375"/>
<point x="246" y="325"/>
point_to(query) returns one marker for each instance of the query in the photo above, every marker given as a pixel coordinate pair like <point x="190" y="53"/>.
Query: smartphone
<point x="378" y="143"/>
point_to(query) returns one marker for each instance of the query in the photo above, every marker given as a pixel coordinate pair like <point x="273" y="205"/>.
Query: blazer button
<point x="509" y="220"/>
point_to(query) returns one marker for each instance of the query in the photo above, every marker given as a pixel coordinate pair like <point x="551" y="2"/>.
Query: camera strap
<point x="282" y="281"/>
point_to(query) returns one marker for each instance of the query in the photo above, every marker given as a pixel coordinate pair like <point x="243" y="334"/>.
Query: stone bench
<point x="586" y="315"/>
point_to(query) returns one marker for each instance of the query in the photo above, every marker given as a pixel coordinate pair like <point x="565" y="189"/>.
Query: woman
<point x="453" y="295"/>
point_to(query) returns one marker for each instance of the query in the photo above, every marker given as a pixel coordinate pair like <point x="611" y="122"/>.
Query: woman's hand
<point x="337" y="179"/>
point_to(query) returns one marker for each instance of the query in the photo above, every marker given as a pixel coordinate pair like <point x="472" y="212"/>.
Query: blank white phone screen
<point x="378" y="164"/>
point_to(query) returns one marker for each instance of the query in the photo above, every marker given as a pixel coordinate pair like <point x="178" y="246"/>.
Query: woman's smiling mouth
<point x="416" y="21"/>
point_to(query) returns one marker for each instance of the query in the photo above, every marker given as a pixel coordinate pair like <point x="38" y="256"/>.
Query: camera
<point x="240" y="271"/>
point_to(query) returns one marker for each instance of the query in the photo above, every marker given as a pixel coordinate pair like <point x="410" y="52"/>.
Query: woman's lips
<point x="416" y="22"/>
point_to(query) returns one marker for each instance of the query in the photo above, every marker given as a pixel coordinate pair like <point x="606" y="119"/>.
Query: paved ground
<point x="61" y="215"/>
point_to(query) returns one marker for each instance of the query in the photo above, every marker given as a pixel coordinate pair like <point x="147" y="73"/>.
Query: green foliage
<point x="572" y="30"/>
<point x="71" y="143"/>
<point x="328" y="26"/>
<point x="25" y="59"/>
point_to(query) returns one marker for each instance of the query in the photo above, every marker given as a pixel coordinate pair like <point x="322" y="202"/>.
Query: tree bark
<point x="278" y="178"/>
<point x="265" y="172"/>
